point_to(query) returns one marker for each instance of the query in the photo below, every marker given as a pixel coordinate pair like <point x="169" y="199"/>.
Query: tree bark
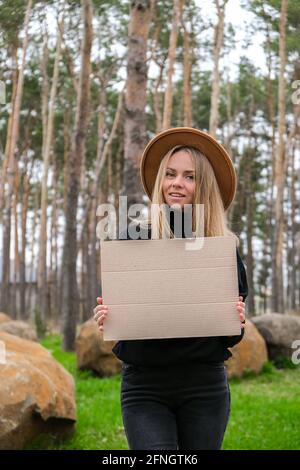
<point x="157" y="100"/>
<point x="42" y="264"/>
<point x="53" y="274"/>
<point x="215" y="93"/>
<point x="279" y="177"/>
<point x="3" y="170"/>
<point x="292" y="258"/>
<point x="25" y="201"/>
<point x="177" y="12"/>
<point x="70" y="293"/>
<point x="187" y="94"/>
<point x="292" y="264"/>
<point x="269" y="235"/>
<point x="135" y="98"/>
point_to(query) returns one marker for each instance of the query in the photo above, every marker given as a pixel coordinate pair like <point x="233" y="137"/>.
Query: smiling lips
<point x="176" y="195"/>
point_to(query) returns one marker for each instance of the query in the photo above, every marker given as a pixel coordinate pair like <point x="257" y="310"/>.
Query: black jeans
<point x="177" y="407"/>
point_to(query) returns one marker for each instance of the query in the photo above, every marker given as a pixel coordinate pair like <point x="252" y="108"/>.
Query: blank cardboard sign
<point x="162" y="289"/>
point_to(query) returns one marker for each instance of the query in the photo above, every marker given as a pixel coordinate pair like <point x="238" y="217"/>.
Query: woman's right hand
<point x="100" y="313"/>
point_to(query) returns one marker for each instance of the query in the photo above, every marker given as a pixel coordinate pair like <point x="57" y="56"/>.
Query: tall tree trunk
<point x="84" y="282"/>
<point x="157" y="95"/>
<point x="70" y="293"/>
<point x="17" y="301"/>
<point x="230" y="123"/>
<point x="53" y="274"/>
<point x="45" y="90"/>
<point x="157" y="99"/>
<point x="135" y="97"/>
<point x="250" y="203"/>
<point x="3" y="170"/>
<point x="14" y="300"/>
<point x="118" y="176"/>
<point x="32" y="301"/>
<point x="279" y="177"/>
<point x="269" y="235"/>
<point x="101" y="159"/>
<point x="67" y="150"/>
<point x="25" y="200"/>
<point x="187" y="93"/>
<point x="292" y="264"/>
<point x="93" y="285"/>
<point x="177" y="12"/>
<point x="89" y="201"/>
<point x="5" y="286"/>
<point x="42" y="265"/>
<point x="215" y="92"/>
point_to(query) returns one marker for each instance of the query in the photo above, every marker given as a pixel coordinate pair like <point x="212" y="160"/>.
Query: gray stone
<point x="279" y="332"/>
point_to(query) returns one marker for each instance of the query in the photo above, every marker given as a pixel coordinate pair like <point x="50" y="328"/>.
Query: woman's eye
<point x="171" y="174"/>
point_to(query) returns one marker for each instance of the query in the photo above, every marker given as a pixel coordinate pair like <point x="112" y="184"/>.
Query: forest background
<point x="84" y="86"/>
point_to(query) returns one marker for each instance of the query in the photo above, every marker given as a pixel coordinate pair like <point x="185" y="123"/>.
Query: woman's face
<point x="179" y="179"/>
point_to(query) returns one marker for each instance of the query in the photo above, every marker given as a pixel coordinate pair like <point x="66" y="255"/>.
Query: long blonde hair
<point x="206" y="192"/>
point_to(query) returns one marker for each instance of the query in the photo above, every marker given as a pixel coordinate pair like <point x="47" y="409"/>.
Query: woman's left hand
<point x="240" y="306"/>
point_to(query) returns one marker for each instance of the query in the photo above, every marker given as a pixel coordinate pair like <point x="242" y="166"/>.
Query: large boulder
<point x="249" y="354"/>
<point x="279" y="332"/>
<point x="19" y="328"/>
<point x="36" y="393"/>
<point x="95" y="354"/>
<point x="4" y="318"/>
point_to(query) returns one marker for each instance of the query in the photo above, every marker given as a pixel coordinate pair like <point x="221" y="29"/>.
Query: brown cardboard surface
<point x="162" y="289"/>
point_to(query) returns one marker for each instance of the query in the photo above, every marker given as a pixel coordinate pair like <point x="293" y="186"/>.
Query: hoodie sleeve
<point x="230" y="341"/>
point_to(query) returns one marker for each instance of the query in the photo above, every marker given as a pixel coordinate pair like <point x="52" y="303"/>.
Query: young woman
<point x="174" y="392"/>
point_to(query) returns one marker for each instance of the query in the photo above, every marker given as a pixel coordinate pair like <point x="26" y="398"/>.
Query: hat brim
<point x="208" y="145"/>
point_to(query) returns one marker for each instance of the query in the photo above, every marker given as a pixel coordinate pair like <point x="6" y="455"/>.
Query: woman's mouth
<point x="176" y="195"/>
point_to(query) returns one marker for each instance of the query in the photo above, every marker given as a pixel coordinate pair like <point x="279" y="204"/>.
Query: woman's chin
<point x="176" y="205"/>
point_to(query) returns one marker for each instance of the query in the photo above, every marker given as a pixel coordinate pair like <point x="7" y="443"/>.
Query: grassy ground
<point x="265" y="410"/>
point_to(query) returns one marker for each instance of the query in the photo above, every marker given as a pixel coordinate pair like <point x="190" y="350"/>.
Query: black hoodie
<point x="171" y="351"/>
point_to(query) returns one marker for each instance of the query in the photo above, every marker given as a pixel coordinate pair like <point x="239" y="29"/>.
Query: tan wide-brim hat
<point x="208" y="145"/>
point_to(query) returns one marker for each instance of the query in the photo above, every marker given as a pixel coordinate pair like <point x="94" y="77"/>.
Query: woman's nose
<point x="177" y="181"/>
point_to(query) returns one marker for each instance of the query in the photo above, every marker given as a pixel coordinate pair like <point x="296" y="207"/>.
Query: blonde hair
<point x="207" y="192"/>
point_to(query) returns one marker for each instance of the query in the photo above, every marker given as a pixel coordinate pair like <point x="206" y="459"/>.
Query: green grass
<point x="265" y="410"/>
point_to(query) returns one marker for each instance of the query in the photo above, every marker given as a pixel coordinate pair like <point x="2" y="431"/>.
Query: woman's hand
<point x="240" y="306"/>
<point x="100" y="313"/>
